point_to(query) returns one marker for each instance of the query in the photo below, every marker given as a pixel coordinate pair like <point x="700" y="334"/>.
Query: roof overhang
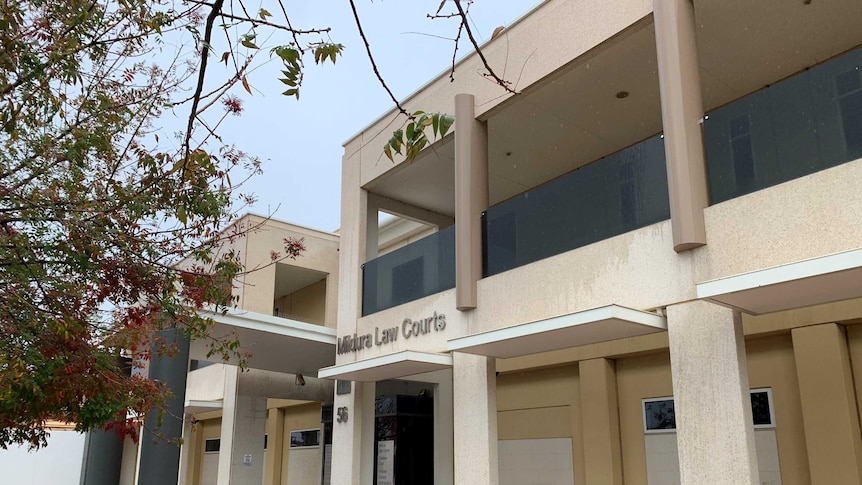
<point x="392" y="366"/>
<point x="811" y="282"/>
<point x="195" y="407"/>
<point x="276" y="344"/>
<point x="601" y="324"/>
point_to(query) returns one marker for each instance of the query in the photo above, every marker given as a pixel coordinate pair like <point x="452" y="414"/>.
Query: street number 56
<point x="342" y="414"/>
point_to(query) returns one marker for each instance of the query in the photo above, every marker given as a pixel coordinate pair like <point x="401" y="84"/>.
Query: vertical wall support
<point x="372" y="232"/>
<point x="829" y="413"/>
<point x="274" y="447"/>
<point x="186" y="450"/>
<point x="682" y="111"/>
<point x="474" y="393"/>
<point x="600" y="422"/>
<point x="242" y="429"/>
<point x="347" y="437"/>
<point x="160" y="461"/>
<point x="471" y="198"/>
<point x="715" y="434"/>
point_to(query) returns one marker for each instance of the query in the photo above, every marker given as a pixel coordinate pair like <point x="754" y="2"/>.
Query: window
<point x="212" y="445"/>
<point x="659" y="416"/>
<point x="305" y="438"/>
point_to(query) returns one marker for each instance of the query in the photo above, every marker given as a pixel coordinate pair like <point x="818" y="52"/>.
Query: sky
<point x="300" y="142"/>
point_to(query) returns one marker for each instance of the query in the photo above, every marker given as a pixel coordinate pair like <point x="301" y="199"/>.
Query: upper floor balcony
<point x="578" y="158"/>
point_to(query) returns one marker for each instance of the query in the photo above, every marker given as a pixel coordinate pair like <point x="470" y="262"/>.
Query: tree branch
<point x="374" y="64"/>
<point x="503" y="83"/>
<point x="205" y="53"/>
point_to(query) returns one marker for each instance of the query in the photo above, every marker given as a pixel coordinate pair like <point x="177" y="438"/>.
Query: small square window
<point x="761" y="408"/>
<point x="659" y="415"/>
<point x="212" y="445"/>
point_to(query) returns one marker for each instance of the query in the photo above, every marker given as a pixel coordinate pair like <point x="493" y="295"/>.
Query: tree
<point x="109" y="229"/>
<point x="97" y="212"/>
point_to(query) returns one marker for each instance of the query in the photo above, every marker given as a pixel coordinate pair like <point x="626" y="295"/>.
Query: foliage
<point x="107" y="233"/>
<point x="413" y="137"/>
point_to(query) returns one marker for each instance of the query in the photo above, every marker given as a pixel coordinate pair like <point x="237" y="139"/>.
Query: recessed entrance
<point x="404" y="433"/>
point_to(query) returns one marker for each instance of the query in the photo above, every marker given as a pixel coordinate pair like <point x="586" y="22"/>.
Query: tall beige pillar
<point x="715" y="434"/>
<point x="600" y="422"/>
<point x="243" y="427"/>
<point x="682" y="111"/>
<point x="275" y="446"/>
<point x="347" y="435"/>
<point x="829" y="413"/>
<point x="474" y="392"/>
<point x="471" y="198"/>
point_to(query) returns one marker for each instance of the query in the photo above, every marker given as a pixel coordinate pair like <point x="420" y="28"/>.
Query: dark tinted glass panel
<point x="659" y="415"/>
<point x="422" y="268"/>
<point x="611" y="196"/>
<point x="304" y="438"/>
<point x="212" y="445"/>
<point x="760" y="408"/>
<point x="806" y="123"/>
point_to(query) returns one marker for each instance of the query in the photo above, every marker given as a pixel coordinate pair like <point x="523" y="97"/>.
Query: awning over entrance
<point x="276" y="344"/>
<point x="811" y="282"/>
<point x="392" y="366"/>
<point x="601" y="324"/>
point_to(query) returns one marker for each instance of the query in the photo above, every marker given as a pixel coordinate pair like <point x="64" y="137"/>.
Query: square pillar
<point x="600" y="422"/>
<point x="715" y="431"/>
<point x="242" y="430"/>
<point x="682" y="112"/>
<point x="471" y="199"/>
<point x="474" y="393"/>
<point x="275" y="446"/>
<point x="353" y="435"/>
<point x="829" y="414"/>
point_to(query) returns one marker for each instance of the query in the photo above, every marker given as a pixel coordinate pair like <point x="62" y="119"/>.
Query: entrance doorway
<point x="404" y="433"/>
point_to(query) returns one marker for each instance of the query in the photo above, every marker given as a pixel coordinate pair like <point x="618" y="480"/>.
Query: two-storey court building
<point x="646" y="268"/>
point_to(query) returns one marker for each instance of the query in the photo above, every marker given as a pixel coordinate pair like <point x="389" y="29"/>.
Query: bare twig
<point x="275" y="26"/>
<point x="374" y="64"/>
<point x="465" y="23"/>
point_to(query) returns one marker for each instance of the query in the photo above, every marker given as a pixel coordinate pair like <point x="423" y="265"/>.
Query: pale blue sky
<point x="300" y="141"/>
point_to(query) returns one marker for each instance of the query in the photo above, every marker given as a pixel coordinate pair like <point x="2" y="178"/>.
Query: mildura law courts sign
<point x="408" y="329"/>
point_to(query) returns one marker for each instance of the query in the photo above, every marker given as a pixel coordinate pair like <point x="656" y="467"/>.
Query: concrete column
<point x="372" y="232"/>
<point x="103" y="458"/>
<point x="347" y="437"/>
<point x="600" y="422"/>
<point x="829" y="413"/>
<point x="242" y="428"/>
<point x="160" y="461"/>
<point x="186" y="450"/>
<point x="471" y="198"/>
<point x="715" y="434"/>
<point x="444" y="438"/>
<point x="474" y="392"/>
<point x="275" y="446"/>
<point x="352" y="443"/>
<point x="682" y="112"/>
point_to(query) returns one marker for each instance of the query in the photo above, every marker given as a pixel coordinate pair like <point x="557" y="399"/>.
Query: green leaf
<point x="446" y="122"/>
<point x="264" y="14"/>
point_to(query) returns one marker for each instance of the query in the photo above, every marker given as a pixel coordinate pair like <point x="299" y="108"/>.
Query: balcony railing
<point x="419" y="269"/>
<point x="806" y="123"/>
<point x="614" y="195"/>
